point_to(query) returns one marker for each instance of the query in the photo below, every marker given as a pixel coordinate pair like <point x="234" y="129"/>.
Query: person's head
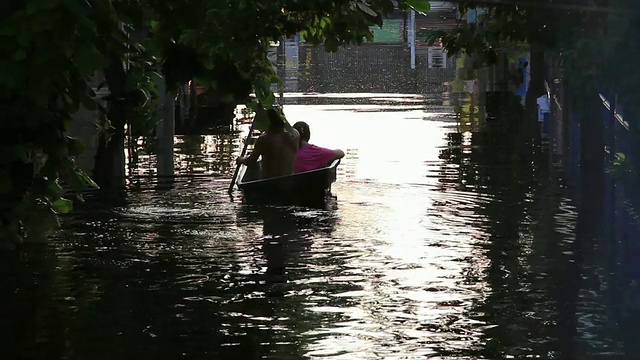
<point x="276" y="122"/>
<point x="303" y="129"/>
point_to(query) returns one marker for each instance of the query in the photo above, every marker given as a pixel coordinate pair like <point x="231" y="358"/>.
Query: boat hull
<point x="309" y="188"/>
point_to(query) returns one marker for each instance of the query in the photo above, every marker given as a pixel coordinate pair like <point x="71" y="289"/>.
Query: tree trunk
<point x="536" y="80"/>
<point x="193" y="106"/>
<point x="575" y="276"/>
<point x="592" y="140"/>
<point x="165" y="131"/>
<point x="108" y="170"/>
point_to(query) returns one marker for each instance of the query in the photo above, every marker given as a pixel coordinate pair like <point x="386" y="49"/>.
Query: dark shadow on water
<point x="545" y="250"/>
<point x="32" y="327"/>
<point x="320" y="202"/>
<point x="287" y="233"/>
<point x="133" y="276"/>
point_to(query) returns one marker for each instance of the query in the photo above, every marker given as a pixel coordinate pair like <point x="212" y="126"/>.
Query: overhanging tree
<point x="224" y="45"/>
<point x="50" y="50"/>
<point x="510" y="25"/>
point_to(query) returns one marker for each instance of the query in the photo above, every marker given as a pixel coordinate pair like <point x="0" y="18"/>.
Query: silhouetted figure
<point x="277" y="147"/>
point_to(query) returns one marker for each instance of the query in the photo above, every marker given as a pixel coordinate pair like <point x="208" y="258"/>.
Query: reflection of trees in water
<point x="347" y="171"/>
<point x="537" y="255"/>
<point x="295" y="275"/>
<point x="34" y="322"/>
<point x="519" y="302"/>
<point x="157" y="296"/>
<point x="194" y="154"/>
<point x="139" y="285"/>
<point x="287" y="233"/>
<point x="200" y="154"/>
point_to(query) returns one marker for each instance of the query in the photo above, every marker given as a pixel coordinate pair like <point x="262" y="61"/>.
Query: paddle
<point x="244" y="150"/>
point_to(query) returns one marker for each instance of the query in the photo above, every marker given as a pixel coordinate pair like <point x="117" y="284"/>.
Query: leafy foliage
<point x="52" y="50"/>
<point x="621" y="167"/>
<point x="603" y="55"/>
<point x="48" y="54"/>
<point x="597" y="47"/>
<point x="498" y="28"/>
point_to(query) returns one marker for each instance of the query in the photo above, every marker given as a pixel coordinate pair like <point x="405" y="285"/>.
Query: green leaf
<point x="270" y="99"/>
<point x="78" y="180"/>
<point x="155" y="76"/>
<point x="366" y="9"/>
<point x="87" y="180"/>
<point x="62" y="206"/>
<point x="88" y="59"/>
<point x="68" y="123"/>
<point x="260" y="121"/>
<point x="23" y="151"/>
<point x="74" y="146"/>
<point x="53" y="189"/>
<point x="422" y="6"/>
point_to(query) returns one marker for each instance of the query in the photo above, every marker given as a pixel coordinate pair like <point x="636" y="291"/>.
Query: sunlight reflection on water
<point x="408" y="262"/>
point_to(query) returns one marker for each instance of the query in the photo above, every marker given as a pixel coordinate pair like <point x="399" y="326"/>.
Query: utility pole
<point x="412" y="37"/>
<point x="281" y="68"/>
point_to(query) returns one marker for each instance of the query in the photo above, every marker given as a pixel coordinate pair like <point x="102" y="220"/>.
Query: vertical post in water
<point x="165" y="130"/>
<point x="280" y="60"/>
<point x="412" y="38"/>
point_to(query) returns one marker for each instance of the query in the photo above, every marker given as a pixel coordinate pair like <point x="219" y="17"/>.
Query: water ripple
<point x="422" y="255"/>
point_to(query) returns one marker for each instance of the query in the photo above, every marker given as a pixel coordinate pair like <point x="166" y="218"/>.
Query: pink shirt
<point x="311" y="157"/>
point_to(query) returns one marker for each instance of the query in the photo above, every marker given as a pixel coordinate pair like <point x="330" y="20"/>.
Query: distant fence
<point x="371" y="68"/>
<point x="621" y="193"/>
<point x="563" y="129"/>
<point x="622" y="200"/>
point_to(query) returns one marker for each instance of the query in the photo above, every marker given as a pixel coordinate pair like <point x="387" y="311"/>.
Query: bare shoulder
<point x="294" y="135"/>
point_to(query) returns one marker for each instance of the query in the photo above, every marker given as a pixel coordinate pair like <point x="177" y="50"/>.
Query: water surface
<point x="437" y="243"/>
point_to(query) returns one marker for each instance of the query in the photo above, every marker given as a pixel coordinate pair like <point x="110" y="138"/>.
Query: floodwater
<point x="438" y="243"/>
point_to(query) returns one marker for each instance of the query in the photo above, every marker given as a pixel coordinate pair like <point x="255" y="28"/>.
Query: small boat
<point x="309" y="188"/>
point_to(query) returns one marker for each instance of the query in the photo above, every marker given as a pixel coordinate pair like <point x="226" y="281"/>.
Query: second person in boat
<point x="312" y="157"/>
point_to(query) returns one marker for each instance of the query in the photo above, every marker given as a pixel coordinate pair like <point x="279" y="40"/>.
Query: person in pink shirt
<point x="312" y="157"/>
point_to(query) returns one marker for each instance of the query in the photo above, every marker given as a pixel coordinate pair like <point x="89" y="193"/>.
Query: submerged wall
<point x="614" y="190"/>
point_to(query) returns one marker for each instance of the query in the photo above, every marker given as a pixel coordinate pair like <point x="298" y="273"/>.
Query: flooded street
<point x="438" y="243"/>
